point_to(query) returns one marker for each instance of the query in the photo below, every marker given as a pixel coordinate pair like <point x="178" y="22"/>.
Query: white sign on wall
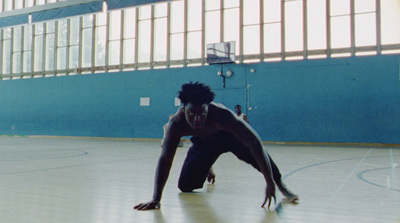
<point x="177" y="102"/>
<point x="144" y="101"/>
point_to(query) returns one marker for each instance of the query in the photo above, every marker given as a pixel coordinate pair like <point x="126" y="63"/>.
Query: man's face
<point x="196" y="115"/>
<point x="238" y="109"/>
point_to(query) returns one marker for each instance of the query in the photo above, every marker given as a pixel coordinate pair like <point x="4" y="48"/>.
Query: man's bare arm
<point x="249" y="137"/>
<point x="245" y="118"/>
<point x="164" y="165"/>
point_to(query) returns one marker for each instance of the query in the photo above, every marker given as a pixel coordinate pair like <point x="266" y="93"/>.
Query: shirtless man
<point x="214" y="130"/>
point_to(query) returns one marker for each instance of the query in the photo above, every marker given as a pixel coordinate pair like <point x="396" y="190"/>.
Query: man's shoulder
<point x="218" y="106"/>
<point x="178" y="117"/>
<point x="219" y="112"/>
<point x="178" y="123"/>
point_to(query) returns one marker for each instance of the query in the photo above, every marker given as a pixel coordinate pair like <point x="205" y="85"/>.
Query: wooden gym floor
<point x="70" y="180"/>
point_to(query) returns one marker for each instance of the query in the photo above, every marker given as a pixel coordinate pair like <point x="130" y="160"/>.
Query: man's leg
<point x="244" y="153"/>
<point x="281" y="186"/>
<point x="200" y="157"/>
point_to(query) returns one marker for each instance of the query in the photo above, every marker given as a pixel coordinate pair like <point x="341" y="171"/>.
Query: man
<point x="214" y="130"/>
<point x="239" y="113"/>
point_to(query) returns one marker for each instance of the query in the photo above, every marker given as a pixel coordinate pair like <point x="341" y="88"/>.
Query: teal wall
<point x="349" y="100"/>
<point x="352" y="100"/>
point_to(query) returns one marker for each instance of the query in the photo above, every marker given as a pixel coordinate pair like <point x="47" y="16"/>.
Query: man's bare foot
<point x="290" y="197"/>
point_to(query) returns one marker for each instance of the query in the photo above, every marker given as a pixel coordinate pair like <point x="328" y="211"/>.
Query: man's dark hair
<point x="196" y="93"/>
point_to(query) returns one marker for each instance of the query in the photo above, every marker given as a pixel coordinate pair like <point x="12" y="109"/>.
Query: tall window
<point x="294" y="25"/>
<point x="100" y="39"/>
<point x="194" y="29"/>
<point x="251" y="27"/>
<point x="62" y="44"/>
<point x="231" y="22"/>
<point x="272" y="26"/>
<point x="340" y="23"/>
<point x="390" y="21"/>
<point x="160" y="32"/>
<point x="144" y="37"/>
<point x="212" y="21"/>
<point x="17" y="51"/>
<point x="18" y="4"/>
<point x="316" y="25"/>
<point x="27" y="49"/>
<point x="114" y="43"/>
<point x="129" y="36"/>
<point x="6" y="47"/>
<point x="29" y="3"/>
<point x="40" y="2"/>
<point x="74" y="32"/>
<point x="177" y="30"/>
<point x="365" y="23"/>
<point x="50" y="46"/>
<point x="87" y="40"/>
<point x="176" y="33"/>
<point x="38" y="40"/>
<point x="8" y="5"/>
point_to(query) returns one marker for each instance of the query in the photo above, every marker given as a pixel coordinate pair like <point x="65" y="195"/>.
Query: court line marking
<point x="280" y="210"/>
<point x="326" y="162"/>
<point x="342" y="185"/>
<point x="361" y="177"/>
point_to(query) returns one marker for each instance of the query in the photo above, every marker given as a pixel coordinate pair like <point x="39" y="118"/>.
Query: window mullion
<point x="352" y="28"/>
<point x="12" y="52"/>
<point x="80" y="45"/>
<point x="221" y="18"/>
<point x="33" y="50"/>
<point x="152" y="36"/>
<point x="283" y="44"/>
<point x="94" y="44"/>
<point x="261" y="30"/>
<point x="44" y="49"/>
<point x="305" y="30"/>
<point x="1" y="53"/>
<point x="328" y="29"/>
<point x="185" y="32"/>
<point x="136" y="38"/>
<point x="378" y="26"/>
<point x="22" y="50"/>
<point x="55" y="47"/>
<point x="107" y="45"/>
<point x="95" y="30"/>
<point x="241" y="56"/>
<point x="203" y="33"/>
<point x="68" y="46"/>
<point x="121" y="40"/>
<point x="168" y="59"/>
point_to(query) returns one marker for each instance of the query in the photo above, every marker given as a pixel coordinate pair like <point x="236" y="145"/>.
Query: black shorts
<point x="202" y="155"/>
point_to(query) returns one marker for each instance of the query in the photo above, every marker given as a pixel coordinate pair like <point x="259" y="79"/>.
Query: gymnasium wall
<point x="346" y="100"/>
